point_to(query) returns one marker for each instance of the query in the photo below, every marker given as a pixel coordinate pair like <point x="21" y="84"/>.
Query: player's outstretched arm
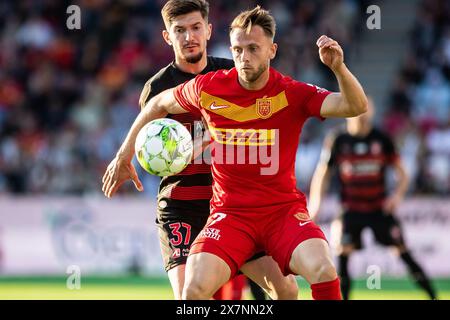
<point x="121" y="169"/>
<point x="351" y="101"/>
<point x="402" y="182"/>
<point x="318" y="188"/>
<point x="320" y="179"/>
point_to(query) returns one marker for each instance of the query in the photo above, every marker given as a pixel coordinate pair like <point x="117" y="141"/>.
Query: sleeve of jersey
<point x="187" y="95"/>
<point x="313" y="99"/>
<point x="147" y="93"/>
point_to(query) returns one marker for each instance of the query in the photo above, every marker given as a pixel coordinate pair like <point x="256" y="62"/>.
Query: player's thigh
<point x="286" y="232"/>
<point x="221" y="248"/>
<point x="176" y="277"/>
<point x="229" y="237"/>
<point x="205" y="273"/>
<point x="266" y="273"/>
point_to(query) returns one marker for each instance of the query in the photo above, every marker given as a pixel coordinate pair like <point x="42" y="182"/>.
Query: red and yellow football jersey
<point x="255" y="137"/>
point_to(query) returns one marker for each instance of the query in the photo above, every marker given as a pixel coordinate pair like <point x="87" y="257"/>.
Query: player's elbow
<point x="357" y="108"/>
<point x="364" y="105"/>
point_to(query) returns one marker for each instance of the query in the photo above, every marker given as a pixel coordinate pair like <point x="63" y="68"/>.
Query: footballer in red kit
<point x="183" y="199"/>
<point x="262" y="192"/>
<point x="255" y="116"/>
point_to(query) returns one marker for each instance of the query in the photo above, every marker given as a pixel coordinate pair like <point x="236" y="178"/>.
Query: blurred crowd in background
<point x="68" y="97"/>
<point x="418" y="109"/>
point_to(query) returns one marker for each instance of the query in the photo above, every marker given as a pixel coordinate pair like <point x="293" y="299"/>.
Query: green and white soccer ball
<point x="164" y="147"/>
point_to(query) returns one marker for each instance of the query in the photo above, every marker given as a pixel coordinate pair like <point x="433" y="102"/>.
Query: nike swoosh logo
<point x="213" y="106"/>
<point x="303" y="223"/>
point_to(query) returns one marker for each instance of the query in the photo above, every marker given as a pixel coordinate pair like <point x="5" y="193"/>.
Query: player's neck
<point x="194" y="68"/>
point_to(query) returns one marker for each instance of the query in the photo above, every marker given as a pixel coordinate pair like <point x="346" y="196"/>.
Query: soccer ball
<point x="163" y="147"/>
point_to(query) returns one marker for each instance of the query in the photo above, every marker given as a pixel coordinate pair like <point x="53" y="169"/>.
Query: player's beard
<point x="195" y="59"/>
<point x="255" y="76"/>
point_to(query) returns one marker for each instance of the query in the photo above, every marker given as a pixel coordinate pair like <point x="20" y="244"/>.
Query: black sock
<point x="345" y="278"/>
<point x="419" y="276"/>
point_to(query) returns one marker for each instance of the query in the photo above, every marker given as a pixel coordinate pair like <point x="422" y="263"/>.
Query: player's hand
<point x="330" y="52"/>
<point x="391" y="204"/>
<point x="116" y="174"/>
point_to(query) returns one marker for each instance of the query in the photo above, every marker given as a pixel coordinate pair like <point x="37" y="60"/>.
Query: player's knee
<point x="289" y="289"/>
<point x="399" y="249"/>
<point x="286" y="290"/>
<point x="323" y="270"/>
<point x="195" y="291"/>
<point x="346" y="250"/>
<point x="327" y="272"/>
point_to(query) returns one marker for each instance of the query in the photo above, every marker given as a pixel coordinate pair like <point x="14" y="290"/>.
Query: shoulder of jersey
<point x="222" y="63"/>
<point x="286" y="80"/>
<point x="160" y="75"/>
<point x="152" y="84"/>
<point x="221" y="74"/>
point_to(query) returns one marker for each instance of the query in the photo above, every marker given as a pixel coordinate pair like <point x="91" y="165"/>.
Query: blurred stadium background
<point x="68" y="97"/>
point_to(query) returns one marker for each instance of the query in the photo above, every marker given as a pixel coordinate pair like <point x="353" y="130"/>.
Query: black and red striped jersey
<point x="191" y="189"/>
<point x="361" y="164"/>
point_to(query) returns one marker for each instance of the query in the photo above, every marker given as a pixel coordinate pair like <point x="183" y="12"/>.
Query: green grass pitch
<point x="147" y="288"/>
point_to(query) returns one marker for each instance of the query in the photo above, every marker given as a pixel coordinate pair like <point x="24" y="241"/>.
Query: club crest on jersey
<point x="302" y="216"/>
<point x="264" y="108"/>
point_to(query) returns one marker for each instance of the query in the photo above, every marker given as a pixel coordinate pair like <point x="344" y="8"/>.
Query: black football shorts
<point x="385" y="227"/>
<point x="177" y="231"/>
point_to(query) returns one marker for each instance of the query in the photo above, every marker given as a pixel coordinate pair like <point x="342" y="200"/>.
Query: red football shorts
<point x="235" y="237"/>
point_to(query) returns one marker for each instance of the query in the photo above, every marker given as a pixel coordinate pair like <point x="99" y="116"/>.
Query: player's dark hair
<point x="175" y="8"/>
<point x="255" y="17"/>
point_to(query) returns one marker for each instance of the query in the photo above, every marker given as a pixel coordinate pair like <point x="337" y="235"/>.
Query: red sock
<point x="330" y="290"/>
<point x="238" y="287"/>
<point x="232" y="290"/>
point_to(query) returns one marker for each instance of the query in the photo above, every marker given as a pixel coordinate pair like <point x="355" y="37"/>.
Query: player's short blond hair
<point x="255" y="17"/>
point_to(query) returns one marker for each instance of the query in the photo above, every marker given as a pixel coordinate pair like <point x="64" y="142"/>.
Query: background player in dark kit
<point x="361" y="156"/>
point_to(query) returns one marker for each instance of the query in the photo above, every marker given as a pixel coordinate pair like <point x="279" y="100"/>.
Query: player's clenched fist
<point x="330" y="52"/>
